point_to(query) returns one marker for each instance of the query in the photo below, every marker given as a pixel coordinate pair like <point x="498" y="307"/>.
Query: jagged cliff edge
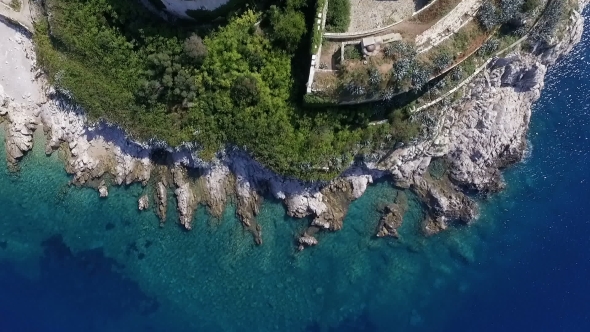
<point x="477" y="136"/>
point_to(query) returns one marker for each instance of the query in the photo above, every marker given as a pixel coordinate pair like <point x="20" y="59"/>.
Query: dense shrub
<point x="546" y="27"/>
<point x="288" y="26"/>
<point x="510" y="9"/>
<point x="530" y="5"/>
<point x="488" y="47"/>
<point x="420" y="76"/>
<point x="352" y="52"/>
<point x="441" y="61"/>
<point x="401" y="69"/>
<point x="194" y="49"/>
<point x="375" y="77"/>
<point x="338" y="16"/>
<point x="488" y="15"/>
<point x="456" y="73"/>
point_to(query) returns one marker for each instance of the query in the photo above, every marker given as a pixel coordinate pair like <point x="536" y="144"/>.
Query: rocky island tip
<point x="454" y="102"/>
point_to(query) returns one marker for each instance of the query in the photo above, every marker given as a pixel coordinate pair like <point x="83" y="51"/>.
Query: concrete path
<point x="448" y="25"/>
<point x="23" y="17"/>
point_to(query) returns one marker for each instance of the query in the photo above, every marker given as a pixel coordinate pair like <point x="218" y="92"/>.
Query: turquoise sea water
<point x="70" y="261"/>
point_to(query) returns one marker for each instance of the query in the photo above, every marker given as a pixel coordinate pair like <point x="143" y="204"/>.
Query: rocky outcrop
<point x="307" y="239"/>
<point x="103" y="191"/>
<point x="161" y="198"/>
<point x="218" y="186"/>
<point x="143" y="203"/>
<point x="490" y="125"/>
<point x="22" y="122"/>
<point x="186" y="199"/>
<point x="392" y="218"/>
<point x="443" y="203"/>
<point x="248" y="207"/>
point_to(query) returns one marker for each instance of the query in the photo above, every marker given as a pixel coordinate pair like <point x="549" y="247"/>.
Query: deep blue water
<point x="72" y="262"/>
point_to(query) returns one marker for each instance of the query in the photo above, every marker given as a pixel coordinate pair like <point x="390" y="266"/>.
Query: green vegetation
<point x="288" y="27"/>
<point x="555" y="12"/>
<point x="338" y="16"/>
<point x="240" y="83"/>
<point x="352" y="52"/>
<point x="215" y="86"/>
<point x="316" y="30"/>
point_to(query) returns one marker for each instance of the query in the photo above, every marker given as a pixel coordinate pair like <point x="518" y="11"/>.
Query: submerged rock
<point x="103" y="190"/>
<point x="143" y="203"/>
<point x="392" y="218"/>
<point x="161" y="198"/>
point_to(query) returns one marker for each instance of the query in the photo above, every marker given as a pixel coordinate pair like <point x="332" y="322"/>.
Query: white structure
<point x="179" y="7"/>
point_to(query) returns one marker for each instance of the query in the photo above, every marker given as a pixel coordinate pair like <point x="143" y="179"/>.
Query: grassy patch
<point x="338" y="16"/>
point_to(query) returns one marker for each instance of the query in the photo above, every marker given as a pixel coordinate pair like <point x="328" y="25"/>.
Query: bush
<point x="401" y="69"/>
<point x="400" y="49"/>
<point x="420" y="76"/>
<point x="388" y="94"/>
<point x="549" y="22"/>
<point x="296" y="4"/>
<point x="488" y="47"/>
<point x="245" y="92"/>
<point x="316" y="33"/>
<point x="317" y="100"/>
<point x="287" y="28"/>
<point x="530" y="5"/>
<point x="510" y="9"/>
<point x="375" y="76"/>
<point x="338" y="16"/>
<point x="441" y="62"/>
<point x="355" y="89"/>
<point x="194" y="49"/>
<point x="352" y="52"/>
<point x="456" y="73"/>
<point x="488" y="15"/>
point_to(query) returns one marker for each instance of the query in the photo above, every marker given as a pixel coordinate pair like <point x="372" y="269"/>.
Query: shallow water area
<point x="82" y="254"/>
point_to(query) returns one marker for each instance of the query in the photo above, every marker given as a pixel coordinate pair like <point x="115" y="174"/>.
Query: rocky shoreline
<point x="477" y="136"/>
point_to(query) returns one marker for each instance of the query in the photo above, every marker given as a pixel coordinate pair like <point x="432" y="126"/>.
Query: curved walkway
<point x="448" y="25"/>
<point x="22" y="18"/>
<point x="367" y="33"/>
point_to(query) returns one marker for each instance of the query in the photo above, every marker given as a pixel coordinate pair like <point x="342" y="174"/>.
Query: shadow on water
<point x="75" y="289"/>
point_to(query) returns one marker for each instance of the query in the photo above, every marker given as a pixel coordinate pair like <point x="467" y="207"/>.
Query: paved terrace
<point x="371" y="14"/>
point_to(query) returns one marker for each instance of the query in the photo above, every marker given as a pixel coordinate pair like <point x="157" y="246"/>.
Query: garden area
<point x="400" y="70"/>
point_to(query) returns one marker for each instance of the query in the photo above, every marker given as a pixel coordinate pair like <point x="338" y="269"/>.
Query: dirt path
<point x="16" y="59"/>
<point x="448" y="25"/>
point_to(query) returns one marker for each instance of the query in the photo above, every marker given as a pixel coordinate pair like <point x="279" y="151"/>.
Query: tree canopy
<point x="227" y="85"/>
